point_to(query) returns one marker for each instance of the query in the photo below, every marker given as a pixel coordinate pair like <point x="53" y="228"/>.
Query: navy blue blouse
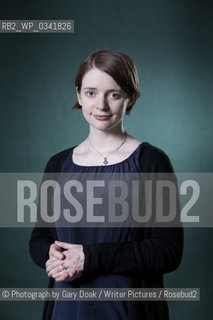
<point x="91" y="310"/>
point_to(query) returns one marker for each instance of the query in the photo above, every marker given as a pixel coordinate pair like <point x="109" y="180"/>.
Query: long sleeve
<point x="43" y="235"/>
<point x="39" y="245"/>
<point x="160" y="250"/>
<point x="160" y="253"/>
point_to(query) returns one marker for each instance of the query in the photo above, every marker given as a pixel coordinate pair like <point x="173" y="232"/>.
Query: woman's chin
<point x="102" y="126"/>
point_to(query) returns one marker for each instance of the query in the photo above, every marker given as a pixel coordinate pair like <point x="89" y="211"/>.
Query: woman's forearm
<point x="156" y="255"/>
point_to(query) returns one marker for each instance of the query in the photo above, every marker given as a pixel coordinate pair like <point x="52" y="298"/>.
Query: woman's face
<point x="102" y="99"/>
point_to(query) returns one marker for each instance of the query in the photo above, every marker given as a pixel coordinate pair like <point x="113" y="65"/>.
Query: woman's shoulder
<point x="55" y="162"/>
<point x="154" y="151"/>
<point x="155" y="158"/>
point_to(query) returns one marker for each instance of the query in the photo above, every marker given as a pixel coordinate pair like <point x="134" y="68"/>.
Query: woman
<point x="107" y="89"/>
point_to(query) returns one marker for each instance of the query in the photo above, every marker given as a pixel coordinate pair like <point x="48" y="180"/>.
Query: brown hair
<point x="119" y="66"/>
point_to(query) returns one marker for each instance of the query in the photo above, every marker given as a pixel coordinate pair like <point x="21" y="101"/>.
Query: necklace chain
<point x="105" y="161"/>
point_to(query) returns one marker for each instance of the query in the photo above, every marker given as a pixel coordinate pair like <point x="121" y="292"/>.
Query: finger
<point x="69" y="273"/>
<point x="56" y="254"/>
<point x="57" y="246"/>
<point x="61" y="276"/>
<point x="51" y="260"/>
<point x="67" y="278"/>
<point x="65" y="245"/>
<point x="56" y="270"/>
<point x="54" y="264"/>
<point x="74" y="276"/>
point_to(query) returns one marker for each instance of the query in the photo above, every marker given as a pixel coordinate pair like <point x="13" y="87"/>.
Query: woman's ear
<point x="78" y="96"/>
<point x="128" y="101"/>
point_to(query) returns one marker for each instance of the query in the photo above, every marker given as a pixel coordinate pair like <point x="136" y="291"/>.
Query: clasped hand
<point x="66" y="265"/>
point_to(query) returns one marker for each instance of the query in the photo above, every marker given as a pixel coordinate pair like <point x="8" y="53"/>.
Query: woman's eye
<point x="90" y="93"/>
<point x="115" y="95"/>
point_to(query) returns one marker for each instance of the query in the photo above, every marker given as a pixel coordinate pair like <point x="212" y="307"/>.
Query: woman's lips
<point x="101" y="118"/>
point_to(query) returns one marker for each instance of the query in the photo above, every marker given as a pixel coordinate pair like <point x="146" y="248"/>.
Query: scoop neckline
<point x="105" y="166"/>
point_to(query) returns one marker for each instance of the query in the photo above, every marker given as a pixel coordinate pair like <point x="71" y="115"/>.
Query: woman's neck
<point x="105" y="140"/>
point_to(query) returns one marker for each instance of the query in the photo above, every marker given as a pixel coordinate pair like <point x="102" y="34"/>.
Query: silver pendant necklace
<point x="105" y="161"/>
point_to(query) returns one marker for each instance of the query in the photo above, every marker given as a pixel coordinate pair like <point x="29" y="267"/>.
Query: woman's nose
<point x="102" y="104"/>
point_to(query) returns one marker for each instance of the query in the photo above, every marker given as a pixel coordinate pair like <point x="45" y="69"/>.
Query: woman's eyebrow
<point x="117" y="90"/>
<point x="91" y="88"/>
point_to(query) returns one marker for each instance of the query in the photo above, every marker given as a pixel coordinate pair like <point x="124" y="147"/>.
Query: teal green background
<point x="171" y="44"/>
